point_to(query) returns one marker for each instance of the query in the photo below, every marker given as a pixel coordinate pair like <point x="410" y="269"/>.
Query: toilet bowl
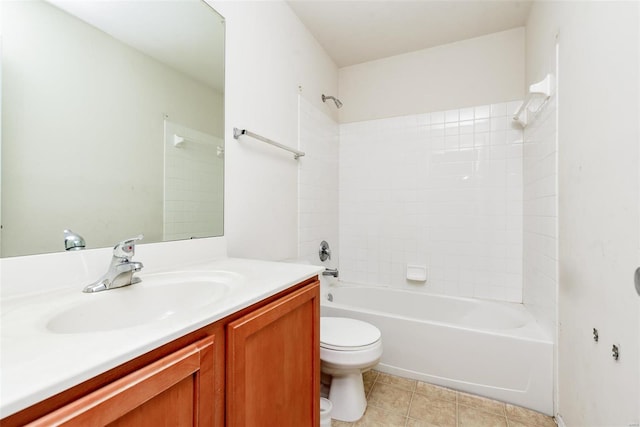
<point x="348" y="347"/>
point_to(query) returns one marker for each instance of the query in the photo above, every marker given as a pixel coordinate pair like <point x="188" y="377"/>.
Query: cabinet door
<point x="177" y="390"/>
<point x="273" y="363"/>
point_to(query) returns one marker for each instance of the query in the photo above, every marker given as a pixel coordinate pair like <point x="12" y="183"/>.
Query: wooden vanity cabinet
<point x="273" y="364"/>
<point x="257" y="367"/>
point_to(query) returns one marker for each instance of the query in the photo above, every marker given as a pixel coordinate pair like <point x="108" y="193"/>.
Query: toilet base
<point x="347" y="396"/>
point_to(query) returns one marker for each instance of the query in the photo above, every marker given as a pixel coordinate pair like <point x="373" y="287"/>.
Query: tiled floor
<point x="395" y="401"/>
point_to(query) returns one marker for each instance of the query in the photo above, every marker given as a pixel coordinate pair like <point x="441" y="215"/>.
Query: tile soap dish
<point x="417" y="273"/>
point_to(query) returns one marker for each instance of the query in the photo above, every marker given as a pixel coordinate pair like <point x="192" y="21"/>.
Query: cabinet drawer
<point x="169" y="392"/>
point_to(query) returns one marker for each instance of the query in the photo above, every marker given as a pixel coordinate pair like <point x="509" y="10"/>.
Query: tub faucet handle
<point x="325" y="251"/>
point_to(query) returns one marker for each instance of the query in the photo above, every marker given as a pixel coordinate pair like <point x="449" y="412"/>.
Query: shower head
<point x="336" y="100"/>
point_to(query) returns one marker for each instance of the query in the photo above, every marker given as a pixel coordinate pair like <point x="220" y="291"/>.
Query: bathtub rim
<point x="531" y="331"/>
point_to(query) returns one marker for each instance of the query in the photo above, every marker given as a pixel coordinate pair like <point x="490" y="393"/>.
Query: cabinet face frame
<point x="252" y="379"/>
<point x="189" y="368"/>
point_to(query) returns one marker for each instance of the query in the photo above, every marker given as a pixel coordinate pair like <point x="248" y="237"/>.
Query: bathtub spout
<point x="330" y="272"/>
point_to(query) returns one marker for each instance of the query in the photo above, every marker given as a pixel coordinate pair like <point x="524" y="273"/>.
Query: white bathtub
<point x="488" y="348"/>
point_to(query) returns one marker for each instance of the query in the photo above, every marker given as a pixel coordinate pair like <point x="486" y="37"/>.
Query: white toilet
<point x="348" y="347"/>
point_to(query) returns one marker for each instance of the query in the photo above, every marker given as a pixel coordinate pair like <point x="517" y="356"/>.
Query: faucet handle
<point x="324" y="252"/>
<point x="126" y="248"/>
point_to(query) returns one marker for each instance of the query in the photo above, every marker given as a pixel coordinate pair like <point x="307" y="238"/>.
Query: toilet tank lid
<point x="345" y="332"/>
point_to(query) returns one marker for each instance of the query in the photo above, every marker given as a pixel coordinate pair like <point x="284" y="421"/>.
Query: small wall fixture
<point x="324" y="252"/>
<point x="539" y="94"/>
<point x="333" y="98"/>
<point x="417" y="273"/>
<point x="178" y="141"/>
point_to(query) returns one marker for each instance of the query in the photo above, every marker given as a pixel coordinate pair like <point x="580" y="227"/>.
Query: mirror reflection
<point x="112" y="122"/>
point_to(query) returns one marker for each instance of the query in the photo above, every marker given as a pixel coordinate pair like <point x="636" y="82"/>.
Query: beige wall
<point x="598" y="144"/>
<point x="482" y="70"/>
<point x="269" y="54"/>
<point x="83" y="131"/>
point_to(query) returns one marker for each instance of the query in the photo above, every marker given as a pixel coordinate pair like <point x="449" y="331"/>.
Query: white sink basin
<point x="157" y="297"/>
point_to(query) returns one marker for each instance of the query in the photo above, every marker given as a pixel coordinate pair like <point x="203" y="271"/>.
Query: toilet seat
<point x="345" y="334"/>
<point x="351" y="348"/>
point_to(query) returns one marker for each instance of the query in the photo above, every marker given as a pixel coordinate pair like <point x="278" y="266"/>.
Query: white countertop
<point x="36" y="363"/>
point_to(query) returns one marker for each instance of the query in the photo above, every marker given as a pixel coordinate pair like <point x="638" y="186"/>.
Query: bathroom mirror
<point x="112" y="122"/>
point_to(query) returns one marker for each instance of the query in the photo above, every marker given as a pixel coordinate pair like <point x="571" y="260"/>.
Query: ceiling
<point x="356" y="31"/>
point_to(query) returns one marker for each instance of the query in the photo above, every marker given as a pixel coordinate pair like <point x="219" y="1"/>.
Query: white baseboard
<point x="560" y="421"/>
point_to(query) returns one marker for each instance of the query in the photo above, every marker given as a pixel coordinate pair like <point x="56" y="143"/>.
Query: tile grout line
<point x="406" y="421"/>
<point x="375" y="380"/>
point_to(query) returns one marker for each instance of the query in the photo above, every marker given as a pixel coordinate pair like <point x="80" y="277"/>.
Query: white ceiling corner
<point x="356" y="31"/>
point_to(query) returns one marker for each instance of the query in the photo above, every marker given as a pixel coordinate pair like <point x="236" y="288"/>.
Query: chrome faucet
<point x="330" y="272"/>
<point x="121" y="269"/>
<point x="73" y="241"/>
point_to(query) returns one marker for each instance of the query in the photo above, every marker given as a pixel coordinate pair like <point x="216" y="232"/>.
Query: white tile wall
<point x="318" y="189"/>
<point x="193" y="185"/>
<point x="443" y="190"/>
<point x="540" y="217"/>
